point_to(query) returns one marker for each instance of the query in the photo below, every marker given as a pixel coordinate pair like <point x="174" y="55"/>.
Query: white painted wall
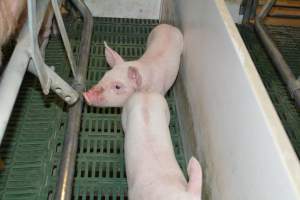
<point x="141" y="9"/>
<point x="244" y="150"/>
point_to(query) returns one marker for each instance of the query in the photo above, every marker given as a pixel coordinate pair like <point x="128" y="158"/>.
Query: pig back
<point x="163" y="41"/>
<point x="164" y="47"/>
<point x="150" y="160"/>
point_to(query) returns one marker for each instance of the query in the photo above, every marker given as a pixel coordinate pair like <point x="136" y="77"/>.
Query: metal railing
<point x="67" y="165"/>
<point x="27" y="56"/>
<point x="292" y="83"/>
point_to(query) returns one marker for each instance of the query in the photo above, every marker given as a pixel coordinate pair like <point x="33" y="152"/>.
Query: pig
<point x="155" y="71"/>
<point x="151" y="167"/>
<point x="10" y="11"/>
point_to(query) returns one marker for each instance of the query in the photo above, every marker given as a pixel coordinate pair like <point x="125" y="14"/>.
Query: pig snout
<point x="94" y="96"/>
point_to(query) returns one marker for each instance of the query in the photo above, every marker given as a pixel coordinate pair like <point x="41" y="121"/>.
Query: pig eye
<point x="117" y="87"/>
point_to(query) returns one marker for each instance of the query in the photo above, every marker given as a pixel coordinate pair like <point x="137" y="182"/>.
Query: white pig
<point x="155" y="71"/>
<point x="10" y="11"/>
<point x="152" y="170"/>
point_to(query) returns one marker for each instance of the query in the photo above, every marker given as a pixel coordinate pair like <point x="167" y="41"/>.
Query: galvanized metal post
<point x="67" y="166"/>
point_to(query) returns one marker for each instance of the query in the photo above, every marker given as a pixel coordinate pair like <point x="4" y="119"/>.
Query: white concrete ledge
<point x="140" y="9"/>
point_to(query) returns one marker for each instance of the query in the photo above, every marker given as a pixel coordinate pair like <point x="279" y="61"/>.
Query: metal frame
<point x="67" y="165"/>
<point x="27" y="56"/>
<point x="287" y="75"/>
<point x="248" y="9"/>
<point x="34" y="50"/>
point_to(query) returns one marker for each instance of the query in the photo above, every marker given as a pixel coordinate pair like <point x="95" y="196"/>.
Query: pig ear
<point x="134" y="75"/>
<point x="112" y="57"/>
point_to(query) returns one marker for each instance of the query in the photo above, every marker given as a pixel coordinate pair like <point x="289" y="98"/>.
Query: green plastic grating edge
<point x="33" y="142"/>
<point x="287" y="40"/>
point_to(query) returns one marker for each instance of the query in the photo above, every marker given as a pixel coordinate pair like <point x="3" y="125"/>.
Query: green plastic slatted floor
<point x="287" y="40"/>
<point x="33" y="142"/>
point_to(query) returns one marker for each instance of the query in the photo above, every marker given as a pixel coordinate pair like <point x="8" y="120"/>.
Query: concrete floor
<point x="141" y="9"/>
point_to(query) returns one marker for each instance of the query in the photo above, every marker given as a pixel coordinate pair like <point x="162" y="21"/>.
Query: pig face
<point x="117" y="84"/>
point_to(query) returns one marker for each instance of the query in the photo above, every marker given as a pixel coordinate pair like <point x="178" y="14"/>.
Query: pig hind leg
<point x="0" y="57"/>
<point x="194" y="185"/>
<point x="7" y="21"/>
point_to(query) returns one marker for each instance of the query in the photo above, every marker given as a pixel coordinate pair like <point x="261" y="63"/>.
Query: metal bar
<point x="64" y="36"/>
<point x="247" y="13"/>
<point x="253" y="9"/>
<point x="287" y="75"/>
<point x="280" y="4"/>
<point x="34" y="51"/>
<point x="287" y="16"/>
<point x="13" y="74"/>
<point x="39" y="68"/>
<point x="58" y="85"/>
<point x="67" y="166"/>
<point x="46" y="33"/>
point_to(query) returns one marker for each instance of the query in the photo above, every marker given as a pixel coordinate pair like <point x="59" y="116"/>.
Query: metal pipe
<point x="47" y="32"/>
<point x="64" y="36"/>
<point x="287" y="75"/>
<point x="34" y="49"/>
<point x="67" y="166"/>
<point x="247" y="13"/>
<point x="13" y="75"/>
<point x="287" y="16"/>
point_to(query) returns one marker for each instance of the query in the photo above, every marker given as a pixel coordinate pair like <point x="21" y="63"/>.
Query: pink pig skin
<point x="10" y="11"/>
<point x="152" y="170"/>
<point x="155" y="71"/>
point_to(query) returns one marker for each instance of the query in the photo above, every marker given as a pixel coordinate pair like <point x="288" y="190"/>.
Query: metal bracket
<point x="47" y="77"/>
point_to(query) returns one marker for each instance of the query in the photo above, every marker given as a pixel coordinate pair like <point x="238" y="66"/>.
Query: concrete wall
<point x="237" y="135"/>
<point x="141" y="9"/>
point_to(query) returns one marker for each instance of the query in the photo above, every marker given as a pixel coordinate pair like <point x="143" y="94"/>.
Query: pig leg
<point x="7" y="21"/>
<point x="195" y="177"/>
<point x="17" y="7"/>
<point x="10" y="11"/>
<point x="0" y="57"/>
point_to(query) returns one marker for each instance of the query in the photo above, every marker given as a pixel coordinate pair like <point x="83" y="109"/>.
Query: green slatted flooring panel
<point x="33" y="137"/>
<point x="287" y="40"/>
<point x="33" y="143"/>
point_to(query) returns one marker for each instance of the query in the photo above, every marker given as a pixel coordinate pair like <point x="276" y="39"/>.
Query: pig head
<point x="155" y="71"/>
<point x="117" y="84"/>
